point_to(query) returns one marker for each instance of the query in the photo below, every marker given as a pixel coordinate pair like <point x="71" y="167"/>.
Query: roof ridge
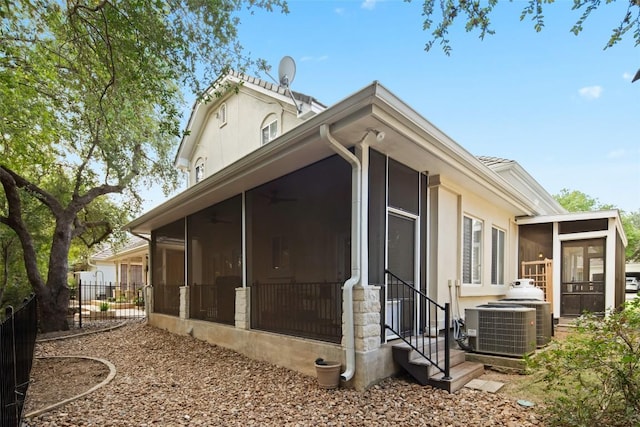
<point x="299" y="96"/>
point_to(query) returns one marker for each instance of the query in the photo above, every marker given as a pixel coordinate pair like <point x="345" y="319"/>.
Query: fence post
<point x="447" y="334"/>
<point x="79" y="294"/>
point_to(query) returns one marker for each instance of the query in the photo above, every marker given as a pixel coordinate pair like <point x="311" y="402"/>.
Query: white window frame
<point x="475" y="250"/>
<point x="222" y="115"/>
<point x="199" y="168"/>
<point x="498" y="242"/>
<point x="269" y="132"/>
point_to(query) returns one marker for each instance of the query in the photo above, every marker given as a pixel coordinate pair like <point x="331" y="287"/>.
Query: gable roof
<point x="410" y="139"/>
<point x="520" y="179"/>
<point x="219" y="91"/>
<point x="109" y="252"/>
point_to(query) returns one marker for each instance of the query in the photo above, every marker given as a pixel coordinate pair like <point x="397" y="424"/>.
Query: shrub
<point x="104" y="306"/>
<point x="593" y="376"/>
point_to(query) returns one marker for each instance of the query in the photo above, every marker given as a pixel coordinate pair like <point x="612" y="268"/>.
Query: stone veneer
<point x="243" y="308"/>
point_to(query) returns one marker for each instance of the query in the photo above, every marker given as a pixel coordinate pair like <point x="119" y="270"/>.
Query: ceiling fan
<point x="274" y="199"/>
<point x="213" y="219"/>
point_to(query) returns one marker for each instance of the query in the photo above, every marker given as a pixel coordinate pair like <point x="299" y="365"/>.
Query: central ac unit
<point x="544" y="323"/>
<point x="501" y="329"/>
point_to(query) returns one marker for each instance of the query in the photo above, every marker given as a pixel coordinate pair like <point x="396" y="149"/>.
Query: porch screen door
<point x="582" y="284"/>
<point x="401" y="261"/>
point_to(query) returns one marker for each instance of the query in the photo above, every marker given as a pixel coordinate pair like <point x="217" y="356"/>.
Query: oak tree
<point x="91" y="102"/>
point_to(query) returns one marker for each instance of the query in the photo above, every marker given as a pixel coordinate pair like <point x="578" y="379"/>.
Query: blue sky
<point x="560" y="105"/>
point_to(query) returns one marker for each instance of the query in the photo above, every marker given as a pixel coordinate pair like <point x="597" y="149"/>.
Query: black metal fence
<point x="214" y="303"/>
<point x="166" y="299"/>
<point x="17" y="340"/>
<point x="309" y="310"/>
<point x="102" y="301"/>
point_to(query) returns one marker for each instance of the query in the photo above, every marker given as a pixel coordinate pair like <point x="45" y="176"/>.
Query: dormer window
<point x="222" y="115"/>
<point x="269" y="132"/>
<point x="199" y="170"/>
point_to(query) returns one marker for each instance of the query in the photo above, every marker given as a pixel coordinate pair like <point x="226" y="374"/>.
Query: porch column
<point x="243" y="308"/>
<point x="366" y="317"/>
<point x="184" y="302"/>
<point x="148" y="299"/>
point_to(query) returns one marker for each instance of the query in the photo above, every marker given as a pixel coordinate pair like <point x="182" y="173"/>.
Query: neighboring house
<point x="115" y="272"/>
<point x="305" y="235"/>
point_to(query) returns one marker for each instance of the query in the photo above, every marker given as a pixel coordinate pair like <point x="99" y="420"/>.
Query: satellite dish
<point x="286" y="71"/>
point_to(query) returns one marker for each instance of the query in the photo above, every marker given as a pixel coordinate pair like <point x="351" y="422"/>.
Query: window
<point x="497" y="256"/>
<point x="199" y="170"/>
<point x="222" y="115"/>
<point x="280" y="260"/>
<point x="471" y="251"/>
<point x="269" y="132"/>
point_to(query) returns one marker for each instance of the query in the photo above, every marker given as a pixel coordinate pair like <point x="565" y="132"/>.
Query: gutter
<point x="356" y="231"/>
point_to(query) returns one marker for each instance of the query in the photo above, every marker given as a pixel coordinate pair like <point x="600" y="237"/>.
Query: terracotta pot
<point x="328" y="374"/>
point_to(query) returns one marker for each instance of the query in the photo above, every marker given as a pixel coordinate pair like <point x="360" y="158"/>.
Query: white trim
<point x="222" y="114"/>
<point x="583" y="236"/>
<point x="269" y="135"/>
<point x="244" y="239"/>
<point x="481" y="251"/>
<point x="416" y="255"/>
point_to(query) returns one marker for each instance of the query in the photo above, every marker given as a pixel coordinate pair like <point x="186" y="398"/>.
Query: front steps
<point x="461" y="371"/>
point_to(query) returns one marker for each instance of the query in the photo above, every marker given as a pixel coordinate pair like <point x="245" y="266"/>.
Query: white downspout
<point x="356" y="231"/>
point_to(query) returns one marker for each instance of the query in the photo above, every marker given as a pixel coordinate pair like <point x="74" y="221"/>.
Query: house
<point x="115" y="272"/>
<point x="337" y="232"/>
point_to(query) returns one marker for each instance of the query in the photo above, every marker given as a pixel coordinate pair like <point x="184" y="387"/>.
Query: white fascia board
<point x="571" y="216"/>
<point x="519" y="174"/>
<point x="137" y="251"/>
<point x="374" y="101"/>
<point x="612" y="214"/>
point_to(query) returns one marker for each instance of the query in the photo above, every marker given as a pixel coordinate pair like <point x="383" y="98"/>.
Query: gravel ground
<point x="169" y="380"/>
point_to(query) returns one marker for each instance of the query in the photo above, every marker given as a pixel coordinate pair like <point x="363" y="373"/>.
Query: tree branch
<point x="14" y="180"/>
<point x="15" y="221"/>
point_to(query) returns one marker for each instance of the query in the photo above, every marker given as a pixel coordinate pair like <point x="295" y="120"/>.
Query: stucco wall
<point x="449" y="204"/>
<point x="247" y="112"/>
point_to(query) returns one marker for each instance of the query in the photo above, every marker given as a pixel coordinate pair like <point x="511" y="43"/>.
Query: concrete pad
<point x="483" y="385"/>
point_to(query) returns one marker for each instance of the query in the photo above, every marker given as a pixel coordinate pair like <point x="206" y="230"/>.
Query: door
<point x="402" y="253"/>
<point x="582" y="277"/>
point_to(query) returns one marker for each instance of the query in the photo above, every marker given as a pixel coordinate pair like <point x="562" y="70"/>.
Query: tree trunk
<point x="53" y="304"/>
<point x="53" y="299"/>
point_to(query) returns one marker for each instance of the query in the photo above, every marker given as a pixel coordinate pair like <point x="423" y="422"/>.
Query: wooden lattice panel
<point x="542" y="274"/>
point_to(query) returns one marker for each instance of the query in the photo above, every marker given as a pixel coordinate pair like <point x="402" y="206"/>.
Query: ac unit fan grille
<point x="543" y="318"/>
<point x="505" y="332"/>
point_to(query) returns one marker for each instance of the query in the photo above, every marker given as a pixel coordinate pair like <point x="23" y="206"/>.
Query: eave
<point x="410" y="139"/>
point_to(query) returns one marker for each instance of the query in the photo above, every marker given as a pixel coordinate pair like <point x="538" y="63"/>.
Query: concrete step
<point x="426" y="373"/>
<point x="456" y="357"/>
<point x="459" y="376"/>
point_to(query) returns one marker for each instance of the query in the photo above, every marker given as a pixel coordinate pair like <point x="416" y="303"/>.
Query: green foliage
<point x="441" y="15"/>
<point x="593" y="376"/>
<point x="631" y="226"/>
<point x="104" y="306"/>
<point x="91" y="107"/>
<point x="576" y="201"/>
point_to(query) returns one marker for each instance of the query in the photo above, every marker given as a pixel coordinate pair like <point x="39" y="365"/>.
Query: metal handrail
<point x="412" y="314"/>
